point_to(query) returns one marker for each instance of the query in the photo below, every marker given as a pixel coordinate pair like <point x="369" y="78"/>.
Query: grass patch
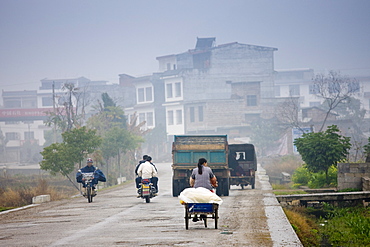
<point x="305" y="227"/>
<point x="289" y="192"/>
<point x="346" y="226"/>
<point x="5" y="208"/>
<point x="331" y="226"/>
<point x="18" y="191"/>
<point x="286" y="189"/>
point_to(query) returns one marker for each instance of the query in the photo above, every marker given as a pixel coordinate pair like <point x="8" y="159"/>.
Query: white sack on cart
<point x="199" y="195"/>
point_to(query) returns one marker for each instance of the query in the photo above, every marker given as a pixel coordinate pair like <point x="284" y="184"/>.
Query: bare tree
<point x="287" y="112"/>
<point x="67" y="113"/>
<point x="334" y="89"/>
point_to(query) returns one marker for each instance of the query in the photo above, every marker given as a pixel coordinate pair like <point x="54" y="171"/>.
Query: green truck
<point x="186" y="151"/>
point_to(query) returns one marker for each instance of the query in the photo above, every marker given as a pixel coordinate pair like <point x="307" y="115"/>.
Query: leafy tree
<point x="321" y="150"/>
<point x="107" y="101"/>
<point x="81" y="141"/>
<point x="108" y="116"/>
<point x="118" y="141"/>
<point x="56" y="159"/>
<point x="62" y="157"/>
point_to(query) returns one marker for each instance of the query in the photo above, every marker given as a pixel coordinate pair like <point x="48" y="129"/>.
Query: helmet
<point x="89" y="160"/>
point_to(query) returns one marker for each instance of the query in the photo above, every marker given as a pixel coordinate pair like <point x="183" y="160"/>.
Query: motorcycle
<point x="87" y="178"/>
<point x="146" y="190"/>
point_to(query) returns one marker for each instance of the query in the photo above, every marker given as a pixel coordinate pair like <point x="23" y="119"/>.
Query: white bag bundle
<point x="199" y="195"/>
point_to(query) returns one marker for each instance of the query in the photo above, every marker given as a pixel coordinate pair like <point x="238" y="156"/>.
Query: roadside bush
<point x="346" y="226"/>
<point x="302" y="177"/>
<point x="318" y="180"/>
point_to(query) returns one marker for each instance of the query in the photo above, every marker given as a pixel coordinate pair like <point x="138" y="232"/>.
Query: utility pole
<point x="54" y="127"/>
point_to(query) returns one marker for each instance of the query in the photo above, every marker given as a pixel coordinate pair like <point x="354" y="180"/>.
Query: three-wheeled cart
<point x="202" y="211"/>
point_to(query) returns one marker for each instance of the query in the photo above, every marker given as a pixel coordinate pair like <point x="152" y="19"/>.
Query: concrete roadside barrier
<point x="40" y="199"/>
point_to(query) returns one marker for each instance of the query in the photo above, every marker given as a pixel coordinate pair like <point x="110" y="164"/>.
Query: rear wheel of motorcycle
<point x="147" y="199"/>
<point x="89" y="193"/>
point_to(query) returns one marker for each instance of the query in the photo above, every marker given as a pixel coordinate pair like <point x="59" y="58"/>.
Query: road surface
<point x="117" y="218"/>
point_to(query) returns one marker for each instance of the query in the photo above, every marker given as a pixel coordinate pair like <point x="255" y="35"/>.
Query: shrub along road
<point x="117" y="218"/>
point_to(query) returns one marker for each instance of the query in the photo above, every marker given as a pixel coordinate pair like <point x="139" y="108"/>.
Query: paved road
<point x="117" y="218"/>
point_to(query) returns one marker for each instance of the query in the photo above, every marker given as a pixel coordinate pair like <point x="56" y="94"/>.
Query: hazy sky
<point x="102" y="39"/>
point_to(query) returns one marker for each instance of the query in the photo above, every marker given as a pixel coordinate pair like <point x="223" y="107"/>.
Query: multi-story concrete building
<point x="204" y="90"/>
<point x="223" y="89"/>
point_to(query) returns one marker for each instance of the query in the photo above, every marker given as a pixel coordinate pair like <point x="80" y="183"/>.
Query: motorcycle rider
<point x="138" y="178"/>
<point x="98" y="174"/>
<point x="148" y="170"/>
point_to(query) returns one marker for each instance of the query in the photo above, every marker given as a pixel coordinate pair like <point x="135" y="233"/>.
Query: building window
<point x="177" y="89"/>
<point x="145" y="94"/>
<point x="169" y="90"/>
<point x="47" y="101"/>
<point x="294" y="90"/>
<point x="178" y="116"/>
<point x="140" y="95"/>
<point x="277" y="91"/>
<point x="149" y="119"/>
<point x="251" y="100"/>
<point x="148" y="94"/>
<point x="29" y="135"/>
<point x="200" y="113"/>
<point x="168" y="66"/>
<point x="29" y="104"/>
<point x="314" y="89"/>
<point x="141" y="117"/>
<point x="12" y="122"/>
<point x="170" y="117"/>
<point x="192" y="114"/>
<point x="12" y="103"/>
<point x="12" y="136"/>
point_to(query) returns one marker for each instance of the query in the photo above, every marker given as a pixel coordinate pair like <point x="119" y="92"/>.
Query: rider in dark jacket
<point x="98" y="174"/>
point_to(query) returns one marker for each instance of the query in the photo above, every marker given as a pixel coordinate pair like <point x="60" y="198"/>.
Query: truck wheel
<point x="219" y="189"/>
<point x="175" y="188"/>
<point x="182" y="185"/>
<point x="226" y="187"/>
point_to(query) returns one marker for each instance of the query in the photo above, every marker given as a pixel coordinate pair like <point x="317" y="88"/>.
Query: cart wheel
<point x="186" y="221"/>
<point x="216" y="217"/>
<point x="204" y="218"/>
